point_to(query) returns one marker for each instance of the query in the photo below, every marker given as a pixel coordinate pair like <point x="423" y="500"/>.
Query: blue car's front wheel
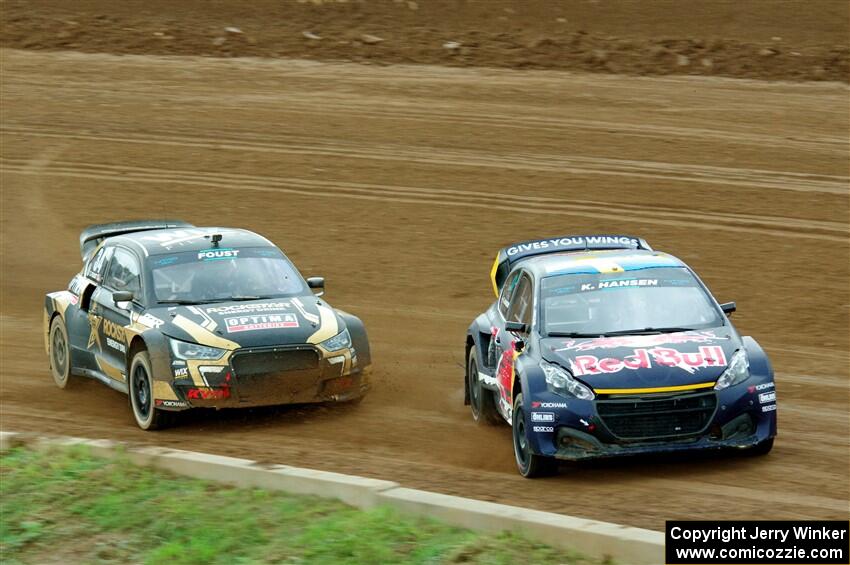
<point x="530" y="465"/>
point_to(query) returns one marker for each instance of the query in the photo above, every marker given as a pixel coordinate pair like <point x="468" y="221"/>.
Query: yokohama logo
<point x="707" y="356"/>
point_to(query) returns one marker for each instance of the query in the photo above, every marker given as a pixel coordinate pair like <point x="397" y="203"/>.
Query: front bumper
<point x="734" y="418"/>
<point x="266" y="376"/>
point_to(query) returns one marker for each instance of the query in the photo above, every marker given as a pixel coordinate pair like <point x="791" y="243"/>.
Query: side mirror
<point x="728" y="307"/>
<point x="317" y="283"/>
<point x="122" y="296"/>
<point x="516" y="327"/>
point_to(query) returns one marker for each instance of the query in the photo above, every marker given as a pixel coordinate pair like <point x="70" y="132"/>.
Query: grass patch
<point x="65" y="506"/>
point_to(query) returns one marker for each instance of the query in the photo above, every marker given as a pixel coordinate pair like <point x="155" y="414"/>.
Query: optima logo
<point x="260" y="322"/>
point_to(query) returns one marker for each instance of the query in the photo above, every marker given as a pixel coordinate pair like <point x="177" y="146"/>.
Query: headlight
<point x="737" y="372"/>
<point x="562" y="382"/>
<point x="342" y="340"/>
<point x="185" y="350"/>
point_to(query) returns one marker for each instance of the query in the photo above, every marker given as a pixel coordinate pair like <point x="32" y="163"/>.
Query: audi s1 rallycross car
<point x="598" y="346"/>
<point x="177" y="317"/>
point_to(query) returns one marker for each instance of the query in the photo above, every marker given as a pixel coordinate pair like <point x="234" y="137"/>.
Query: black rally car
<point x="178" y="316"/>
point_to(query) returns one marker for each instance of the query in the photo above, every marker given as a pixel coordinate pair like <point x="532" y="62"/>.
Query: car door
<point x="78" y="319"/>
<point x="122" y="274"/>
<point x="515" y="305"/>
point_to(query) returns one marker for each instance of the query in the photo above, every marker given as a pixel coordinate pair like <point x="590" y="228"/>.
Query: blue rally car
<point x="598" y="346"/>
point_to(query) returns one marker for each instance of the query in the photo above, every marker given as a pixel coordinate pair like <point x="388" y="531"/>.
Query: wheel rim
<point x="520" y="439"/>
<point x="60" y="352"/>
<point x="475" y="392"/>
<point x="141" y="391"/>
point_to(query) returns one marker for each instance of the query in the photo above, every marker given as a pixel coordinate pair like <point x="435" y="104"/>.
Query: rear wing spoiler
<point x="91" y="237"/>
<point x="512" y="254"/>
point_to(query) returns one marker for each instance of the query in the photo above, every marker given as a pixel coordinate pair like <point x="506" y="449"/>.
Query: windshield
<point x="221" y="274"/>
<point x="641" y="301"/>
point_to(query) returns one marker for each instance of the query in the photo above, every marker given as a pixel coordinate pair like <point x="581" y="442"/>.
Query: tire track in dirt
<point x="299" y="145"/>
<point x="781" y="227"/>
<point x="490" y="115"/>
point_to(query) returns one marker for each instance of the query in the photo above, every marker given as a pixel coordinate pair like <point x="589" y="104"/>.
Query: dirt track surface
<point x="787" y="39"/>
<point x="399" y="184"/>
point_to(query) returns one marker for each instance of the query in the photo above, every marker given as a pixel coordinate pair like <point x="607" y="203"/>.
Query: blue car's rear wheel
<point x="530" y="465"/>
<point x="482" y="400"/>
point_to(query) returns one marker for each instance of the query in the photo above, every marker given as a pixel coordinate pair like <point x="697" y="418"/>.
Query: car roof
<point x="593" y="262"/>
<point x="160" y="242"/>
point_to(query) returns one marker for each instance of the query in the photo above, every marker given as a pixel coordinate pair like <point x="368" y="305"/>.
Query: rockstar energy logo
<point x="113" y="330"/>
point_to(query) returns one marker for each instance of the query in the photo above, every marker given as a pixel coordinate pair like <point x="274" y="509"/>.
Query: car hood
<point x="255" y="323"/>
<point x="659" y="361"/>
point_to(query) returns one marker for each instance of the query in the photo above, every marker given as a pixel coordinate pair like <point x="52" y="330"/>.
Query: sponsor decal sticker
<point x="765" y="386"/>
<point x="208" y="393"/>
<point x="180" y="372"/>
<point x="766" y="397"/>
<point x="171" y="403"/>
<point x="769" y="408"/>
<point x="543" y="429"/>
<point x="536" y="404"/>
<point x="150" y="321"/>
<point x="117" y="345"/>
<point x="641" y="341"/>
<point x="250" y="307"/>
<point x="706" y="356"/>
<point x="260" y="322"/>
<point x="542" y="416"/>
<point x="570" y="243"/>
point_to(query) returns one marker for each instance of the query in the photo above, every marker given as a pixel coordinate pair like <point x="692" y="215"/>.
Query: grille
<point x="651" y="418"/>
<point x="275" y="362"/>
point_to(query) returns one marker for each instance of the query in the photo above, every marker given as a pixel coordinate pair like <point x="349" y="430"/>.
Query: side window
<point x="522" y="308"/>
<point x="123" y="273"/>
<point x="507" y="292"/>
<point x="97" y="264"/>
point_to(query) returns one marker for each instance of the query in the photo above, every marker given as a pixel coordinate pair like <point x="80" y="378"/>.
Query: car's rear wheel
<point x="59" y="353"/>
<point x="481" y="400"/>
<point x="140" y="382"/>
<point x="530" y="465"/>
<point x="762" y="448"/>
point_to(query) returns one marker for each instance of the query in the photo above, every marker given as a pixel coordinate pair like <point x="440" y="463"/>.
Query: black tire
<point x="59" y="353"/>
<point x="481" y="400"/>
<point x="762" y="448"/>
<point x="140" y="381"/>
<point x="529" y="464"/>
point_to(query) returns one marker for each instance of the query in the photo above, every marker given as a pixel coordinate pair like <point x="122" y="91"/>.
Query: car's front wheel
<point x="147" y="415"/>
<point x="481" y="400"/>
<point x="59" y="353"/>
<point x="530" y="465"/>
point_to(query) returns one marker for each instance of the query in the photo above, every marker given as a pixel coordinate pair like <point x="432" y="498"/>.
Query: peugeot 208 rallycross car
<point x="598" y="346"/>
<point x="179" y="317"/>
